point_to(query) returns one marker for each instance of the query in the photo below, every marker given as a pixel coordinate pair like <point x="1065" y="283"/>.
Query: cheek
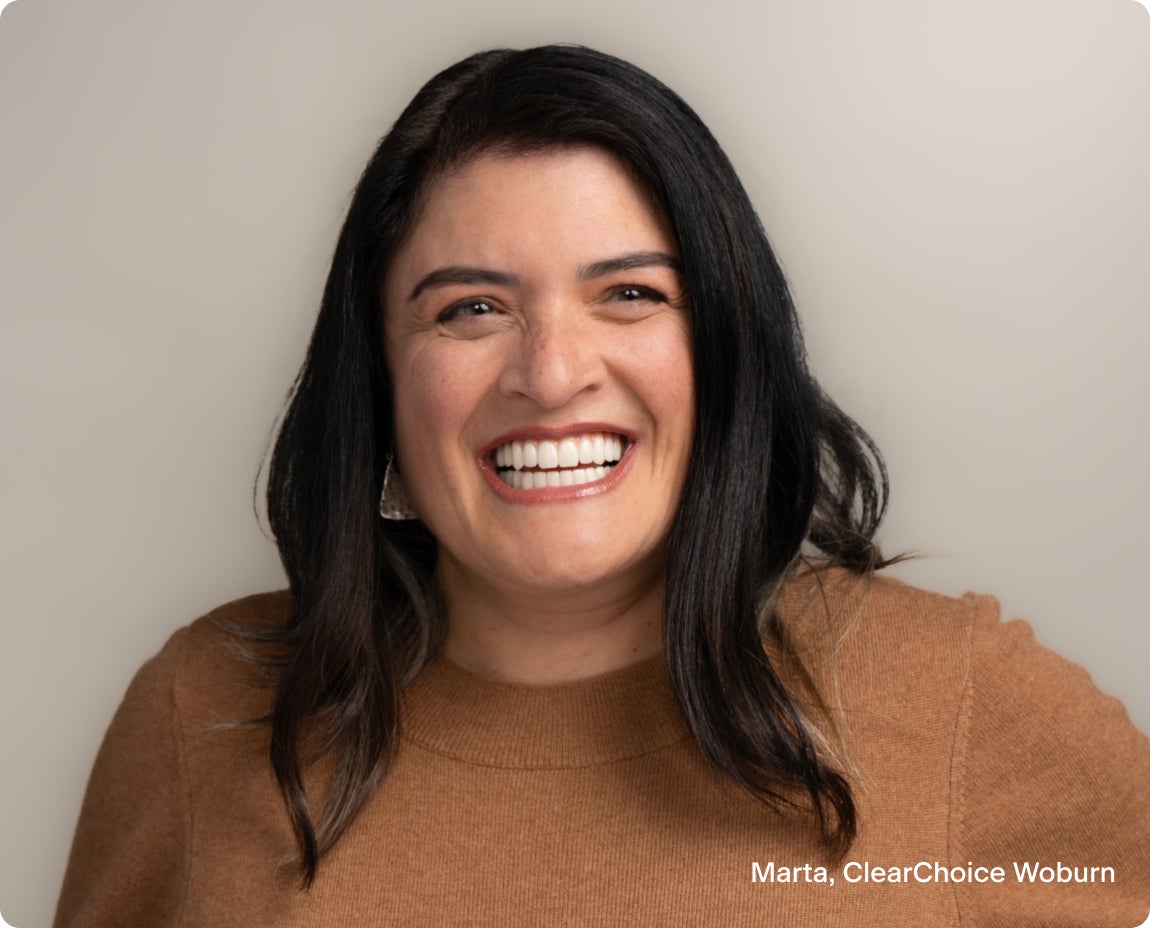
<point x="435" y="393"/>
<point x="424" y="395"/>
<point x="668" y="382"/>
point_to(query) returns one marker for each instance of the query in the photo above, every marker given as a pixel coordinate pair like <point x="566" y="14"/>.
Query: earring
<point x="393" y="502"/>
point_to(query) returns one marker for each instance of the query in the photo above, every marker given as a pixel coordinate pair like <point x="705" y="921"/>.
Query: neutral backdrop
<point x="959" y="193"/>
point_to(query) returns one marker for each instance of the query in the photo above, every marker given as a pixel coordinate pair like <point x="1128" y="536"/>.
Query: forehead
<point x="499" y="206"/>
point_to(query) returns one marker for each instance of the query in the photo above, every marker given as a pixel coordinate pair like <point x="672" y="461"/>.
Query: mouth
<point x="574" y="460"/>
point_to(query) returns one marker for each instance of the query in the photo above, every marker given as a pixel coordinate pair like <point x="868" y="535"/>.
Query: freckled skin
<point x="543" y="346"/>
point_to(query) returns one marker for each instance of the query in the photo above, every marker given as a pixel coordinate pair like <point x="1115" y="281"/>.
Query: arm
<point x="129" y="859"/>
<point x="1047" y="769"/>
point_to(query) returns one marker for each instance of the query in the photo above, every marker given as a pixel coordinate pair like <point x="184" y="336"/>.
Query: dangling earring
<point x="393" y="502"/>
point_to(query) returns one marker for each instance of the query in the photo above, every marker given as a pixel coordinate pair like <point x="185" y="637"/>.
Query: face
<point x="537" y="338"/>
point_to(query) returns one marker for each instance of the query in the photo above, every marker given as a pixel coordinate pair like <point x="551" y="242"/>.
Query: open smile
<point x="570" y="461"/>
<point x="553" y="468"/>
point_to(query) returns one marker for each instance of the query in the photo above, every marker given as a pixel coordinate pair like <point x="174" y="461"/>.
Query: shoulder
<point x="883" y="637"/>
<point x="211" y="669"/>
<point x="177" y="734"/>
<point x="841" y="597"/>
<point x="243" y="619"/>
<point x="899" y="632"/>
<point x="254" y="614"/>
<point x="948" y="709"/>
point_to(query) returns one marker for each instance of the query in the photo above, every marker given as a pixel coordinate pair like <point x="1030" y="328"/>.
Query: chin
<point x="565" y="570"/>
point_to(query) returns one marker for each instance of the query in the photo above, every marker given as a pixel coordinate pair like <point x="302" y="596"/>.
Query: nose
<point x="558" y="358"/>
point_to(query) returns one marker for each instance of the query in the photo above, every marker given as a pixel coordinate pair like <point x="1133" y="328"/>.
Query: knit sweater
<point x="969" y="747"/>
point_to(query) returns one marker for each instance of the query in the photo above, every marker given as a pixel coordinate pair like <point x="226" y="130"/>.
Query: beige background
<point x="958" y="191"/>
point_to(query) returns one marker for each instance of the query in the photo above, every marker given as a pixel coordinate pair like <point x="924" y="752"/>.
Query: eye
<point x="467" y="309"/>
<point x="632" y="293"/>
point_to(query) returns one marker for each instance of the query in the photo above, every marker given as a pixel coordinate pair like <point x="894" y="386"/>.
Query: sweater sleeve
<point x="129" y="858"/>
<point x="1048" y="773"/>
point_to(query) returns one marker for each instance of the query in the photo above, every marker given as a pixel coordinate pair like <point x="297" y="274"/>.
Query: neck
<point x="542" y="637"/>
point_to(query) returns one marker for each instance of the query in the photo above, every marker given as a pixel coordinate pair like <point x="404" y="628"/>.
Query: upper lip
<point x="543" y="433"/>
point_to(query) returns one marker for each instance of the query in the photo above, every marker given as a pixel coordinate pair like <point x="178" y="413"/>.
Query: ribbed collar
<point x="618" y="715"/>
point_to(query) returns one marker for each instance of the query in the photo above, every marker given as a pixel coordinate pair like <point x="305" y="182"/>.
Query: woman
<point x="615" y="653"/>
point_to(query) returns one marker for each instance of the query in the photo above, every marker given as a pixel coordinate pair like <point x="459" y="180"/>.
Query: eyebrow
<point x="629" y="262"/>
<point x="461" y="274"/>
<point x="465" y="274"/>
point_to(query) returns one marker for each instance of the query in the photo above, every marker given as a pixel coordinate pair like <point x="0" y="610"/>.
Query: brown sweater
<point x="588" y="804"/>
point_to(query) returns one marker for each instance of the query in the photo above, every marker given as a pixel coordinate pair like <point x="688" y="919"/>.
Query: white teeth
<point x="568" y="453"/>
<point x="548" y="455"/>
<point x="538" y="479"/>
<point x="586" y="450"/>
<point x="560" y="463"/>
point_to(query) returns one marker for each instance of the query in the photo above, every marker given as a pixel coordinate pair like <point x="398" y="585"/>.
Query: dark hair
<point x="774" y="464"/>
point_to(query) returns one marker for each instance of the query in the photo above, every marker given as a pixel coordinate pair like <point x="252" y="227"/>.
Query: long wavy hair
<point x="775" y="466"/>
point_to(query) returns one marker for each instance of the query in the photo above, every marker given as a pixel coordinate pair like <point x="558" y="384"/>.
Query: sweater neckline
<point x="618" y="715"/>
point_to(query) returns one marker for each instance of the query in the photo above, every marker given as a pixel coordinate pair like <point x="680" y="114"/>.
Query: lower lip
<point x="542" y="495"/>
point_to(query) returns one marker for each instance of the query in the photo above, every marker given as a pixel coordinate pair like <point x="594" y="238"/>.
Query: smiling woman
<point x="543" y="358"/>
<point x="617" y="651"/>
